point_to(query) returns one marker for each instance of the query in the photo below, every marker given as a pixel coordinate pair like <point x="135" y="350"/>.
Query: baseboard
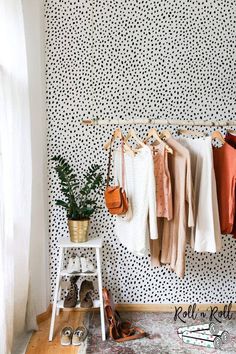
<point x="142" y="308"/>
<point x="168" y="307"/>
<point x="45" y="315"/>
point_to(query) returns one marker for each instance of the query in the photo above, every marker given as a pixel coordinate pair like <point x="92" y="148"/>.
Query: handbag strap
<point x="127" y="331"/>
<point x="122" y="162"/>
<point x="109" y="162"/>
<point x="134" y="333"/>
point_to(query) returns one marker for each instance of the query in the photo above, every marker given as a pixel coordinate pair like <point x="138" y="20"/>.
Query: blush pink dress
<point x="163" y="182"/>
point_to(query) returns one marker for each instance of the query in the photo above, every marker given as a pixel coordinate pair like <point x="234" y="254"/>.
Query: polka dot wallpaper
<point x="138" y="59"/>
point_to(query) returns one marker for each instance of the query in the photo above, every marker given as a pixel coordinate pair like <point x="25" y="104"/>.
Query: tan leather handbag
<point x="119" y="330"/>
<point x="115" y="196"/>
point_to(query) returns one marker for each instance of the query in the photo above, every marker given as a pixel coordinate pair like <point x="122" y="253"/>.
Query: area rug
<point x="162" y="338"/>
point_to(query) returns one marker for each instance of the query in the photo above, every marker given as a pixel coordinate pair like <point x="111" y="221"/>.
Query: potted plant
<point x="81" y="197"/>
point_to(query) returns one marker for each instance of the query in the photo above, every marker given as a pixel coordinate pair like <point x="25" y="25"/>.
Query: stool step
<point x="66" y="274"/>
<point x="60" y="304"/>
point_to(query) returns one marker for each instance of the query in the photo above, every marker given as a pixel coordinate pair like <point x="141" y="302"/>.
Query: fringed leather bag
<point x="119" y="330"/>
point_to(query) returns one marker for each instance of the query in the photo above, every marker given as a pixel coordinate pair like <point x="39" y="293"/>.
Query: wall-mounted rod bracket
<point x="167" y="122"/>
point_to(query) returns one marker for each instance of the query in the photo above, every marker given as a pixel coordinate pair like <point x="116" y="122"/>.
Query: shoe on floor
<point x="66" y="335"/>
<point x="79" y="335"/>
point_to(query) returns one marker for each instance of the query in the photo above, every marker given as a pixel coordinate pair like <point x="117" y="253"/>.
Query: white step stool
<point x="63" y="244"/>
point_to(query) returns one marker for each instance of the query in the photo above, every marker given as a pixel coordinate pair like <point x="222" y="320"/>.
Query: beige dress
<point x="170" y="247"/>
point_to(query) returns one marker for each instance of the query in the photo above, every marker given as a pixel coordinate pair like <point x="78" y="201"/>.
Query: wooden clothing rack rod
<point x="224" y="123"/>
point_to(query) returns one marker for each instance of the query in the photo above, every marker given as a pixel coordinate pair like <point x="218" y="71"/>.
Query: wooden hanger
<point x="190" y="132"/>
<point x="153" y="133"/>
<point x="217" y="135"/>
<point x="118" y="134"/>
<point x="132" y="134"/>
<point x="165" y="134"/>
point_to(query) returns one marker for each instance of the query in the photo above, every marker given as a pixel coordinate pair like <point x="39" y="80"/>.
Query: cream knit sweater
<point x="134" y="233"/>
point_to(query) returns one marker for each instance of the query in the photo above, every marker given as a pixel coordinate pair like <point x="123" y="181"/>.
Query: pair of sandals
<point x="74" y="337"/>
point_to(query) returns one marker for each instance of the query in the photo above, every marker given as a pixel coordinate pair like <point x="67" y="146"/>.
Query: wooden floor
<point x="39" y="343"/>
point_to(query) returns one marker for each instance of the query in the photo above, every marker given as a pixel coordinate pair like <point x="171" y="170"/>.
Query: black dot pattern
<point x="137" y="59"/>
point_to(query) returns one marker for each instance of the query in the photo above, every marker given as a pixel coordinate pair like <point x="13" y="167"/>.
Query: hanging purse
<point x="115" y="196"/>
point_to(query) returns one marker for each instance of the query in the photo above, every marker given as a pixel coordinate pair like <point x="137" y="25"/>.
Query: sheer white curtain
<point x="16" y="174"/>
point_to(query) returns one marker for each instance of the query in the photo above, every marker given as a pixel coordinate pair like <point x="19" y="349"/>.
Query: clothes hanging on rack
<point x="163" y="182"/>
<point x="205" y="235"/>
<point x="170" y="247"/>
<point x="231" y="139"/>
<point x="183" y="197"/>
<point x="225" y="171"/>
<point x="140" y="188"/>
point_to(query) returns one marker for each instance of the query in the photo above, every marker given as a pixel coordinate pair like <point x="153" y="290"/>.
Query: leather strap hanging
<point x="109" y="162"/>
<point x="122" y="163"/>
<point x="115" y="196"/>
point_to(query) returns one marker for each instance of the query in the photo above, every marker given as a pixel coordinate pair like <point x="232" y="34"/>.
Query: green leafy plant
<point x="81" y="197"/>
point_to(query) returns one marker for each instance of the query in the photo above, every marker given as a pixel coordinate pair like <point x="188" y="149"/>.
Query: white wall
<point x="34" y="30"/>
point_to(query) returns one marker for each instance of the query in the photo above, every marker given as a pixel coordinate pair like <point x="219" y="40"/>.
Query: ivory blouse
<point x="206" y="235"/>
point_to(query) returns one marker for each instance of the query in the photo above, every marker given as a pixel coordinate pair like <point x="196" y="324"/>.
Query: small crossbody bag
<point x="115" y="197"/>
